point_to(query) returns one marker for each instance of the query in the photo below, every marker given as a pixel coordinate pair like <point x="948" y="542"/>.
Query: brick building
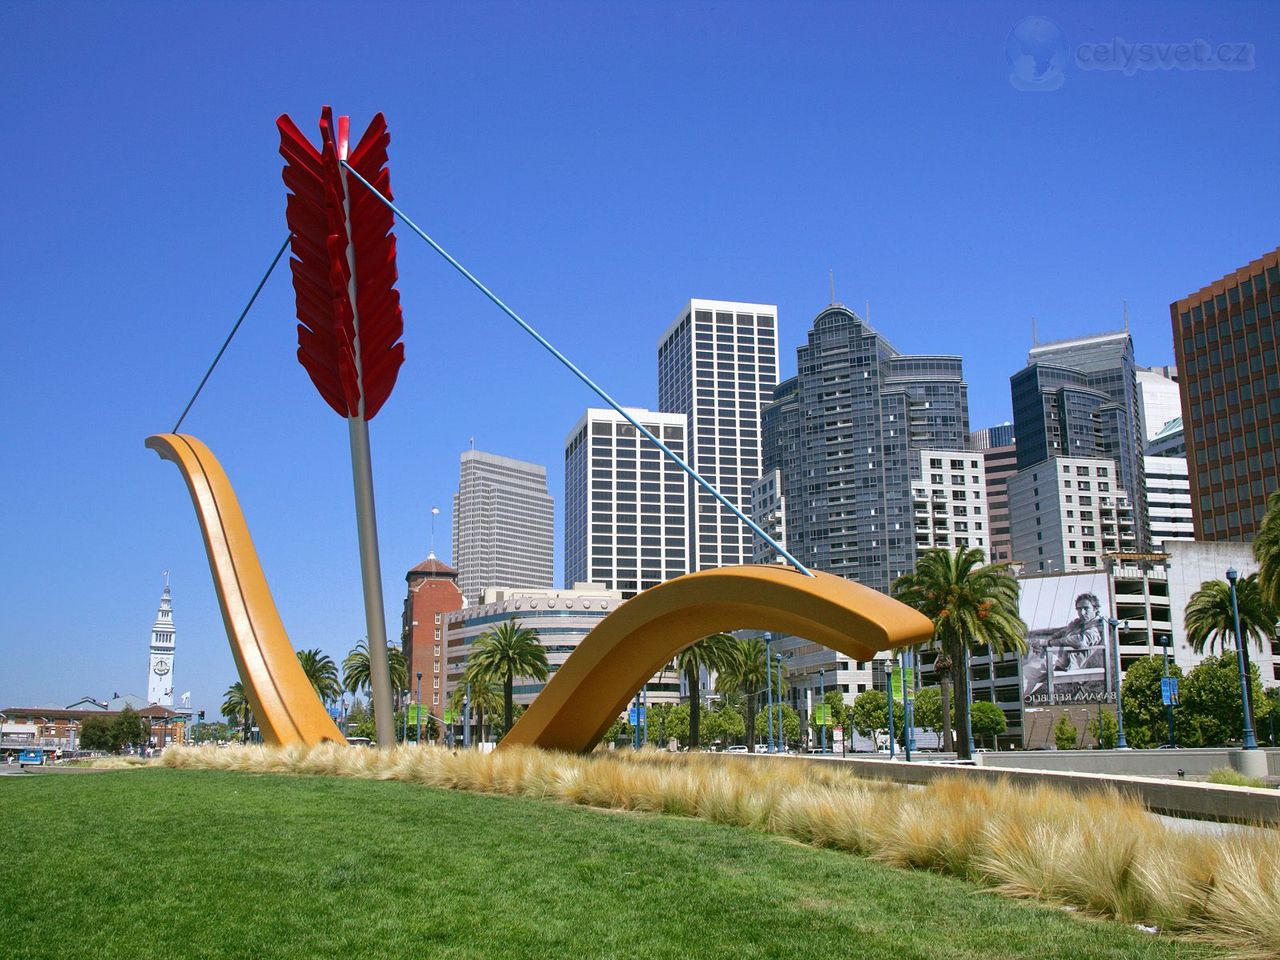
<point x="433" y="592"/>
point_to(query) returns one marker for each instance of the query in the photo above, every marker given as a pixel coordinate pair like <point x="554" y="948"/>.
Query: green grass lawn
<point x="176" y="864"/>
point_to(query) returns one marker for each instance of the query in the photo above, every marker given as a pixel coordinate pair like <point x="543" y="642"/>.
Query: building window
<point x="437" y="618"/>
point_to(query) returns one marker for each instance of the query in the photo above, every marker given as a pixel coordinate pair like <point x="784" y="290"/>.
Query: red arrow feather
<point x="349" y="344"/>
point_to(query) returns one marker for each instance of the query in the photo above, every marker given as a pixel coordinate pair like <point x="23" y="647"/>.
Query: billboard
<point x="1068" y="658"/>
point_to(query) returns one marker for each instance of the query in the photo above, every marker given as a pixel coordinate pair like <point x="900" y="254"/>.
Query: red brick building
<point x="433" y="593"/>
<point x="1226" y="337"/>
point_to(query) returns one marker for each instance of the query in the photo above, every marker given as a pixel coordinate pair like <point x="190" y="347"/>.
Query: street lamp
<point x="888" y="674"/>
<point x="782" y="737"/>
<point x="466" y="717"/>
<point x="768" y="698"/>
<point x="419" y="698"/>
<point x="822" y="703"/>
<point x="1167" y="642"/>
<point x="1121" y="744"/>
<point x="1250" y="741"/>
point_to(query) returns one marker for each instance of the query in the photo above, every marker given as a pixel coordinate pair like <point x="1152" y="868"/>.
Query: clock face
<point x="161" y="668"/>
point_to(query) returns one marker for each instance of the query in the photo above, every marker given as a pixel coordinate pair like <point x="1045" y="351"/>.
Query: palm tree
<point x="504" y="653"/>
<point x="1210" y="618"/>
<point x="942" y="667"/>
<point x="355" y="668"/>
<point x="485" y="699"/>
<point x="322" y="672"/>
<point x="715" y="652"/>
<point x="971" y="604"/>
<point x="747" y="669"/>
<point x="1266" y="549"/>
<point x="237" y="709"/>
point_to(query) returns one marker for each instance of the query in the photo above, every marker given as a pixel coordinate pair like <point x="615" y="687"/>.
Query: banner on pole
<point x="822" y="715"/>
<point x="1169" y="691"/>
<point x="897" y="682"/>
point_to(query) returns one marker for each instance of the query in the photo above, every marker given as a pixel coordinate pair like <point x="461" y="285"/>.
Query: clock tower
<point x="160" y="672"/>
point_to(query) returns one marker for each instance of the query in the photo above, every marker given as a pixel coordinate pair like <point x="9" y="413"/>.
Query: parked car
<point x="736" y="748"/>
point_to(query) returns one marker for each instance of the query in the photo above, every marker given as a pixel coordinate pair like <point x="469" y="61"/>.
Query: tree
<point x="1104" y="729"/>
<point x="504" y="653"/>
<point x="748" y="671"/>
<point x="970" y="604"/>
<point x="237" y="709"/>
<point x="1211" y="712"/>
<point x="870" y="714"/>
<point x="988" y="721"/>
<point x="129" y="729"/>
<point x="355" y="669"/>
<point x="787" y="729"/>
<point x="1065" y="734"/>
<point x="725" y="724"/>
<point x="485" y="699"/>
<point x="1266" y="549"/>
<point x="1210" y="618"/>
<point x="928" y="709"/>
<point x="673" y="723"/>
<point x="1146" y="719"/>
<point x="98" y="733"/>
<point x="211" y="733"/>
<point x="714" y="652"/>
<point x="322" y="672"/>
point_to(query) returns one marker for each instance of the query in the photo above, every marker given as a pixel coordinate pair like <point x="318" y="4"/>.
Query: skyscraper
<point x="845" y="434"/>
<point x="1079" y="398"/>
<point x="1001" y="462"/>
<point x="625" y="502"/>
<point x="1225" y="337"/>
<point x="503" y="524"/>
<point x="718" y="365"/>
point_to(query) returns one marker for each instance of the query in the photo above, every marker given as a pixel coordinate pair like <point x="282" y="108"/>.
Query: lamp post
<point x="1166" y="642"/>
<point x="908" y="705"/>
<point x="419" y="699"/>
<point x="822" y="703"/>
<point x="1121" y="743"/>
<point x="782" y="737"/>
<point x="888" y="674"/>
<point x="1250" y="741"/>
<point x="466" y="717"/>
<point x="768" y="698"/>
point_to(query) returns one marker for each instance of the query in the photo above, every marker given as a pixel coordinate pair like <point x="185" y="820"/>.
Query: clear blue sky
<point x="596" y="163"/>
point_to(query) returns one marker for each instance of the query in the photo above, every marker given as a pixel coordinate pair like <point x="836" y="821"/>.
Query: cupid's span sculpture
<point x="340" y="214"/>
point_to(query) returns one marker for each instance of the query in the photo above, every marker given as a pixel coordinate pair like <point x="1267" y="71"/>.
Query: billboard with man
<point x="1068" y="658"/>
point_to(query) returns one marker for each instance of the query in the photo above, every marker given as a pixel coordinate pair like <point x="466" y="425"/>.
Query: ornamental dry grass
<point x="1100" y="853"/>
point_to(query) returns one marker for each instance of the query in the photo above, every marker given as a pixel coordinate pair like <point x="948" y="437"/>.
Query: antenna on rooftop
<point x="1034" y="339"/>
<point x="831" y="275"/>
<point x="1126" y="315"/>
<point x="868" y="316"/>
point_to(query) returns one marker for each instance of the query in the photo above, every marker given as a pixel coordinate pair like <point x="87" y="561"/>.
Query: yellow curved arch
<point x="285" y="704"/>
<point x="595" y="684"/>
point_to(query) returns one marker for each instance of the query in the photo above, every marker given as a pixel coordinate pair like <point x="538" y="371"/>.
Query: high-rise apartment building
<point x="718" y="365"/>
<point x="1225" y="338"/>
<point x="1000" y="460"/>
<point x="848" y="444"/>
<point x="1079" y="398"/>
<point x="626" y="503"/>
<point x="1159" y="399"/>
<point x="1168" y="500"/>
<point x="950" y="505"/>
<point x="845" y="434"/>
<point x="503" y="524"/>
<point x="1066" y="513"/>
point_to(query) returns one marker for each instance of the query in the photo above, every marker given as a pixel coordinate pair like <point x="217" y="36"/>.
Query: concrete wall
<point x="1139" y="763"/>
<point x="1176" y="798"/>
